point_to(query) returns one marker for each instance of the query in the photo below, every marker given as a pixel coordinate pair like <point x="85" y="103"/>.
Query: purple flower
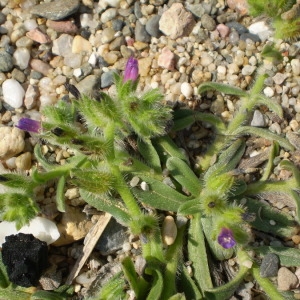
<point x="131" y="70"/>
<point x="27" y="124"/>
<point x="226" y="239"/>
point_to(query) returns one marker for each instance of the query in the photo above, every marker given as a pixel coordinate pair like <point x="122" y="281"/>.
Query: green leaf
<point x="160" y="195"/>
<point x="150" y="155"/>
<point x="223" y="88"/>
<point x="184" y="118"/>
<point x="47" y="295"/>
<point x="157" y="284"/>
<point x="190" y="207"/>
<point x="184" y="175"/>
<point x="248" y="130"/>
<point x="138" y="285"/>
<point x="4" y="280"/>
<point x="269" y="51"/>
<point x="17" y="181"/>
<point x="107" y="204"/>
<point x="188" y="285"/>
<point x="270" y="103"/>
<point x="269" y="167"/>
<point x="289" y="257"/>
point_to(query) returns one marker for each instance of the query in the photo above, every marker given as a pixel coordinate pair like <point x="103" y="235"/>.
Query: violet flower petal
<point x="226" y="239"/>
<point x="30" y="125"/>
<point x="131" y="70"/>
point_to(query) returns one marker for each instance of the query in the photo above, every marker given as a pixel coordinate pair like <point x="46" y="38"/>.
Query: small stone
<point x="6" y="61"/>
<point x="237" y="26"/>
<point x="144" y="186"/>
<point x="186" y="90"/>
<point x="134" y="181"/>
<point x="294" y="125"/>
<point x="286" y="279"/>
<point x="13" y="93"/>
<point x="80" y="45"/>
<point x="261" y="29"/>
<point x="295" y="63"/>
<point x="110" y="58"/>
<point x="108" y="34"/>
<point x="11" y="142"/>
<point x="169" y="231"/>
<point x="296" y="239"/>
<point x="145" y="66"/>
<point x="23" y="161"/>
<point x="196" y="9"/>
<point x="141" y="33"/>
<point x="166" y="59"/>
<point x="248" y="70"/>
<point x="240" y="6"/>
<point x="255" y="38"/>
<point x="182" y="22"/>
<point x="108" y="15"/>
<point x="31" y="96"/>
<point x="62" y="26"/>
<point x="22" y="57"/>
<point x="268" y="91"/>
<point x="269" y="265"/>
<point x="223" y="30"/>
<point x="38" y="36"/>
<point x="152" y="26"/>
<point x="86" y="278"/>
<point x="56" y="10"/>
<point x="62" y="46"/>
<point x="279" y="78"/>
<point x="40" y="66"/>
<point x="208" y="22"/>
<point x="107" y="79"/>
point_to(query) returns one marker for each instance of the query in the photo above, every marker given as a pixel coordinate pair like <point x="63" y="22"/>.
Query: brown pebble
<point x="62" y="26"/>
<point x="38" y="36"/>
<point x="40" y="66"/>
<point x="296" y="239"/>
<point x="169" y="230"/>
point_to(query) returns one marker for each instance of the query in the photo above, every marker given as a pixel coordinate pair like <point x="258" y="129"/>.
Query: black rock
<point x="269" y="265"/>
<point x="25" y="257"/>
<point x="117" y="24"/>
<point x="237" y="26"/>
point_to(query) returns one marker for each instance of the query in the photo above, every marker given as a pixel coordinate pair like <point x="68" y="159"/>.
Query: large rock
<point x="176" y="22"/>
<point x="11" y="142"/>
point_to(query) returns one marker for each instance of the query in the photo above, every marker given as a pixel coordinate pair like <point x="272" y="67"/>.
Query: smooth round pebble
<point x="186" y="89"/>
<point x="13" y="93"/>
<point x="169" y="230"/>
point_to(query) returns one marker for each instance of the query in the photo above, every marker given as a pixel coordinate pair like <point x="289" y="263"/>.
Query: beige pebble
<point x="23" y="161"/>
<point x="80" y="44"/>
<point x="169" y="230"/>
<point x="296" y="239"/>
<point x="286" y="279"/>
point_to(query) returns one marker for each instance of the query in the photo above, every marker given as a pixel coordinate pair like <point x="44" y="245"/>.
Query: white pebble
<point x="144" y="186"/>
<point x="134" y="181"/>
<point x="269" y="92"/>
<point x="295" y="63"/>
<point x="22" y="57"/>
<point x="248" y="70"/>
<point x="186" y="89"/>
<point x="169" y="230"/>
<point x="30" y="24"/>
<point x="13" y="93"/>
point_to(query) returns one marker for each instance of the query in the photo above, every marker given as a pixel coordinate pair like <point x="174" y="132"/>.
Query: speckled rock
<point x="6" y="61"/>
<point x="11" y="142"/>
<point x="208" y="22"/>
<point x="56" y="10"/>
<point x="182" y="21"/>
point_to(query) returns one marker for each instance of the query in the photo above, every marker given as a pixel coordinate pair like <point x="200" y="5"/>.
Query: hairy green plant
<point x="123" y="136"/>
<point x="285" y="16"/>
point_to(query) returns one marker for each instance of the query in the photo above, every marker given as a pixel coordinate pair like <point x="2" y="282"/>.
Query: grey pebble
<point x="269" y="265"/>
<point x="117" y="43"/>
<point x="137" y="9"/>
<point x="2" y="18"/>
<point x="56" y="10"/>
<point x="112" y="238"/>
<point x="18" y="75"/>
<point x="152" y="26"/>
<point x="6" y="61"/>
<point x="107" y="79"/>
<point x="258" y="119"/>
<point x="208" y="22"/>
<point x="237" y="26"/>
<point x="251" y="36"/>
<point x="141" y="34"/>
<point x="196" y="9"/>
<point x="117" y="24"/>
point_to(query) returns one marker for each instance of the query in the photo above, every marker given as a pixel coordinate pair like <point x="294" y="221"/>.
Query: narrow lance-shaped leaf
<point x="223" y="88"/>
<point x="150" y="155"/>
<point x="270" y="103"/>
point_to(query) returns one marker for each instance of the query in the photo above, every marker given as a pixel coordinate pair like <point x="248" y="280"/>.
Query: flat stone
<point x="141" y="33"/>
<point x="62" y="26"/>
<point x="38" y="36"/>
<point x="56" y="10"/>
<point x="269" y="265"/>
<point x="182" y="22"/>
<point x="152" y="26"/>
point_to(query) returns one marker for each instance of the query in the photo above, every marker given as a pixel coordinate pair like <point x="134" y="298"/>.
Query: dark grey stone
<point x="56" y="10"/>
<point x="237" y="26"/>
<point x="112" y="238"/>
<point x="2" y="18"/>
<point x="141" y="34"/>
<point x="251" y="36"/>
<point x="152" y="26"/>
<point x="117" y="24"/>
<point x="107" y="79"/>
<point x="6" y="61"/>
<point x="269" y="265"/>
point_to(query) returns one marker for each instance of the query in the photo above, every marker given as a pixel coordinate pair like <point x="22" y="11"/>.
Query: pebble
<point x="56" y="10"/>
<point x="80" y="45"/>
<point x="22" y="57"/>
<point x="62" y="26"/>
<point x="38" y="36"/>
<point x="248" y="70"/>
<point x="23" y="161"/>
<point x="182" y="21"/>
<point x="186" y="90"/>
<point x="107" y="79"/>
<point x="41" y="228"/>
<point x="269" y="265"/>
<point x="286" y="279"/>
<point x="241" y="6"/>
<point x="141" y="33"/>
<point x="208" y="22"/>
<point x="152" y="26"/>
<point x="268" y="91"/>
<point x="295" y="63"/>
<point x="237" y="26"/>
<point x="108" y="15"/>
<point x="223" y="30"/>
<point x="13" y="93"/>
<point x="166" y="59"/>
<point x="279" y="78"/>
<point x="11" y="142"/>
<point x="40" y="66"/>
<point x="6" y="61"/>
<point x="169" y="230"/>
<point x="261" y="29"/>
<point x="196" y="9"/>
<point x="62" y="46"/>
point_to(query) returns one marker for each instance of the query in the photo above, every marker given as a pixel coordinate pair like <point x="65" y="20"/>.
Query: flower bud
<point x="131" y="70"/>
<point x="226" y="239"/>
<point x="30" y="125"/>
